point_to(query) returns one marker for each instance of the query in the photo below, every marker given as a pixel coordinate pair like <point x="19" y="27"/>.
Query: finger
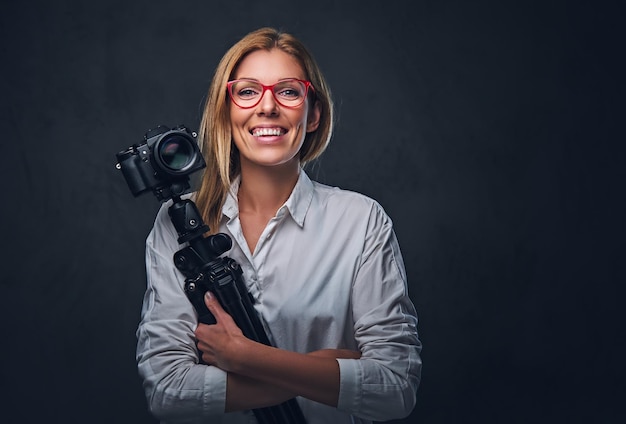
<point x="214" y="307"/>
<point x="221" y="316"/>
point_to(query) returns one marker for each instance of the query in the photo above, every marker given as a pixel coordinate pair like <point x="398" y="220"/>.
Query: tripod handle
<point x="195" y="294"/>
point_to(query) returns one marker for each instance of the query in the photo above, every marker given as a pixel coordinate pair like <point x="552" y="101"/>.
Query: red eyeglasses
<point x="247" y="93"/>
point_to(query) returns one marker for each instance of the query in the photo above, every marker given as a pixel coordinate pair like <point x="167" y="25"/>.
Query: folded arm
<point x="261" y="375"/>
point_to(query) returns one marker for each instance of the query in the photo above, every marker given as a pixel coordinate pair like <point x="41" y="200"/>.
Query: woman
<point x="322" y="264"/>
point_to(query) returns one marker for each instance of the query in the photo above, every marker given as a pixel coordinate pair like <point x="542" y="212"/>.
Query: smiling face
<point x="270" y="134"/>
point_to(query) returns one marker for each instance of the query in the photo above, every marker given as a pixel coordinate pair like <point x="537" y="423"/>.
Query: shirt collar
<point x="297" y="204"/>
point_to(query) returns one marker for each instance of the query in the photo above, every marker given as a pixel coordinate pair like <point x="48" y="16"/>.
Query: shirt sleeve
<point x="382" y="385"/>
<point x="178" y="389"/>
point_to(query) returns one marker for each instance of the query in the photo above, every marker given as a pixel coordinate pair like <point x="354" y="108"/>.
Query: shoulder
<point x="340" y="201"/>
<point x="333" y="194"/>
<point x="357" y="220"/>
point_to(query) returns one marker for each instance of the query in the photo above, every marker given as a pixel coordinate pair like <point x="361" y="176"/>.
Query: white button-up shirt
<point x="326" y="273"/>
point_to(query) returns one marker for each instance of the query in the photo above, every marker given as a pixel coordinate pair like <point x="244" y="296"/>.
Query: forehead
<point x="269" y="66"/>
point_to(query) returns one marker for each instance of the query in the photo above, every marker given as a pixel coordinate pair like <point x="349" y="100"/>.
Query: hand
<point x="219" y="342"/>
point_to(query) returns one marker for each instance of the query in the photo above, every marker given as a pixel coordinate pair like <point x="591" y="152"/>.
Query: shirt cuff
<point x="350" y="383"/>
<point x="215" y="390"/>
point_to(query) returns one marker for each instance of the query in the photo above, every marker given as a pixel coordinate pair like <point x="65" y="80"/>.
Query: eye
<point x="289" y="93"/>
<point x="247" y="92"/>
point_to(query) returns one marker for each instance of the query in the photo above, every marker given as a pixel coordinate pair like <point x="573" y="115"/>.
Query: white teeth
<point x="258" y="132"/>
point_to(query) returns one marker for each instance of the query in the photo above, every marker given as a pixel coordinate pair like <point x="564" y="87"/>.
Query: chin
<point x="273" y="160"/>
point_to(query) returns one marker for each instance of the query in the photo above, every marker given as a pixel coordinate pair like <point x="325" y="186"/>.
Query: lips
<point x="267" y="131"/>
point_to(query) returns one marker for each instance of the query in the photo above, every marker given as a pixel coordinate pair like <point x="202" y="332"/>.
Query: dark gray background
<point x="491" y="132"/>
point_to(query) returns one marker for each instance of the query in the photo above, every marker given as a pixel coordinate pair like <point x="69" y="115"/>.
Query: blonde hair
<point x="214" y="135"/>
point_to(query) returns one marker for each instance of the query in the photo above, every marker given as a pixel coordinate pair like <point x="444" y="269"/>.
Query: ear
<point x="313" y="119"/>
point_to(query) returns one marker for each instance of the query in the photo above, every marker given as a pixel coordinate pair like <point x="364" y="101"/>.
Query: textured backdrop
<point x="490" y="131"/>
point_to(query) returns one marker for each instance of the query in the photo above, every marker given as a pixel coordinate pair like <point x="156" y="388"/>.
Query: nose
<point x="268" y="104"/>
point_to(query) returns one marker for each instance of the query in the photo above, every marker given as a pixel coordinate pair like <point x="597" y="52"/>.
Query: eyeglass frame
<point x="307" y="85"/>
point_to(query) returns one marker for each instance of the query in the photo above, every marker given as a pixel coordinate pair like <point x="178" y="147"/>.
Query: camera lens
<point x="176" y="152"/>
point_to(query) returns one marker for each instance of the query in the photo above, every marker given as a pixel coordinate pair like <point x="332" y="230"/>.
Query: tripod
<point x="163" y="163"/>
<point x="204" y="269"/>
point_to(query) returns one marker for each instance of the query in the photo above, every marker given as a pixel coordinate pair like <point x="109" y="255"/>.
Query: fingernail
<point x="208" y="295"/>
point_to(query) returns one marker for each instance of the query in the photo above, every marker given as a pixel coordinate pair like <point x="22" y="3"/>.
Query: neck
<point x="265" y="189"/>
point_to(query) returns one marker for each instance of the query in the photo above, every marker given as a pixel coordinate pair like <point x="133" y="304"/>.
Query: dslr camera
<point x="162" y="163"/>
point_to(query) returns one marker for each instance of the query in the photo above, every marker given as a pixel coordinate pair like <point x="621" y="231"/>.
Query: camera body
<point x="162" y="163"/>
